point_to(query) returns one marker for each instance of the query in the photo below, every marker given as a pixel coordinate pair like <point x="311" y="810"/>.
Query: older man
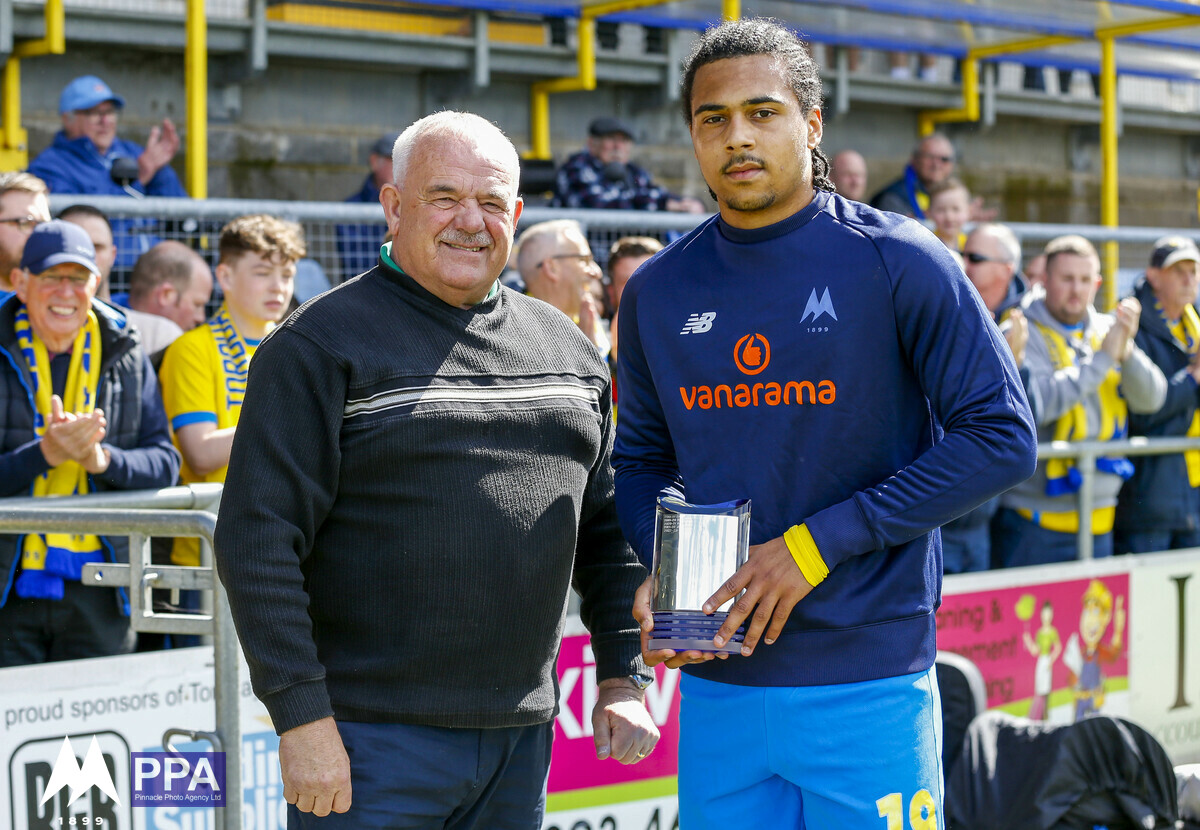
<point x="849" y="174"/>
<point x="602" y="176"/>
<point x="81" y="158"/>
<point x="1159" y="508"/>
<point x="172" y="281"/>
<point x="402" y="629"/>
<point x="558" y="268"/>
<point x="932" y="161"/>
<point x="79" y="412"/>
<point x="992" y="259"/>
<point x="1087" y="375"/>
<point x="23" y="206"/>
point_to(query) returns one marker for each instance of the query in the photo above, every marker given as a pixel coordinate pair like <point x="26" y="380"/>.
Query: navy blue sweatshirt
<point x="805" y="366"/>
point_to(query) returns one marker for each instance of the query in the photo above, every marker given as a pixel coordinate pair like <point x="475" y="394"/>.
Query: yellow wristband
<point x="804" y="551"/>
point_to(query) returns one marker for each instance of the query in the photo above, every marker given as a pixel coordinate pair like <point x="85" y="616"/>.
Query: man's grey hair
<point x="451" y="124"/>
<point x="538" y="242"/>
<point x="1007" y="240"/>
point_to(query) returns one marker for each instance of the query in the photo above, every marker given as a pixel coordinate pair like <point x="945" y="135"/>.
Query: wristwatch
<point x="641" y="682"/>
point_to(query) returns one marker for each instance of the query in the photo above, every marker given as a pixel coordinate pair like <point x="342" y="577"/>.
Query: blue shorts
<point x="435" y="778"/>
<point x="819" y="757"/>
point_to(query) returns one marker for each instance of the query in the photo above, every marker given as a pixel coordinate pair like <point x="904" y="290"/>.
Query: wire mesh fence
<point x="344" y="238"/>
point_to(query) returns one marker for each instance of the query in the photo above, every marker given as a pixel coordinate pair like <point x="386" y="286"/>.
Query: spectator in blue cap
<point x="83" y="153"/>
<point x="602" y="176"/>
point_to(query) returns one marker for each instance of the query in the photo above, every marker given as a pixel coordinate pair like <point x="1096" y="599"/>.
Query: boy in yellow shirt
<point x="203" y="373"/>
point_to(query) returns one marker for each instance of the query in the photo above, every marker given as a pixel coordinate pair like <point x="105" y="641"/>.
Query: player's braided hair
<point x="761" y="36"/>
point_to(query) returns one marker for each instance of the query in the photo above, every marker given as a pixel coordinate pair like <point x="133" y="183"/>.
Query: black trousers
<point x="86" y="622"/>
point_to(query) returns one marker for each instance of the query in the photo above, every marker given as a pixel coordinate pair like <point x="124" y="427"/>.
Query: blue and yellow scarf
<point x="1062" y="477"/>
<point x="1186" y="331"/>
<point x="49" y="558"/>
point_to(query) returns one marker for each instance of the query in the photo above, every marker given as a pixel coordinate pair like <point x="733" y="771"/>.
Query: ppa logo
<point x="187" y="778"/>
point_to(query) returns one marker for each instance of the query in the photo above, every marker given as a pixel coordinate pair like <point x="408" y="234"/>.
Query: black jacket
<point x="1158" y="497"/>
<point x="137" y="435"/>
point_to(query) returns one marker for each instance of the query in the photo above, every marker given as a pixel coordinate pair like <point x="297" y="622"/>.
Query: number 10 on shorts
<point x="922" y="811"/>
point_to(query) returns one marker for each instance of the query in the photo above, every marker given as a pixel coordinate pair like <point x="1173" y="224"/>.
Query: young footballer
<point x="847" y="381"/>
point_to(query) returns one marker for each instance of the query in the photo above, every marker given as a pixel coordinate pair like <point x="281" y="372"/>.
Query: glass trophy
<point x="696" y="548"/>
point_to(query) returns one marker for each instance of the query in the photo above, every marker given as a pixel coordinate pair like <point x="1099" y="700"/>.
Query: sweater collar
<point x="785" y="226"/>
<point x="395" y="274"/>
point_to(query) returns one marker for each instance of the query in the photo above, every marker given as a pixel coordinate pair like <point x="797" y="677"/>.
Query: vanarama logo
<point x="752" y="355"/>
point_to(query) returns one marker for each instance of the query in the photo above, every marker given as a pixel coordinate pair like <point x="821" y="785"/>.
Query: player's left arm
<point x="964" y="366"/>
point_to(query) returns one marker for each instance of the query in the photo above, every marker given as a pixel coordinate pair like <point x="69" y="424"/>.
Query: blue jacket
<point x="137" y="436"/>
<point x="74" y="165"/>
<point x="806" y="366"/>
<point x="1158" y="497"/>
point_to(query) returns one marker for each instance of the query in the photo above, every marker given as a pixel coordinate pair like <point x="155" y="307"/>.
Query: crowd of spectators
<point x="1088" y="375"/>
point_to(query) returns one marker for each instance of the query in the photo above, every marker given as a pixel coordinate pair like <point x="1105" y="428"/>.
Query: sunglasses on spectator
<point x="25" y="224"/>
<point x="971" y="256"/>
<point x="942" y="159"/>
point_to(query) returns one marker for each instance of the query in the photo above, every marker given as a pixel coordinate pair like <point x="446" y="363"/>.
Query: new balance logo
<point x="68" y="773"/>
<point x="699" y="323"/>
<point x="817" y="307"/>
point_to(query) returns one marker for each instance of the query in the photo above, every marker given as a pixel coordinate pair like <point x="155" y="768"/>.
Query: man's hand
<point x="623" y="729"/>
<point x="645" y="619"/>
<point x="1194" y="368"/>
<point x="1015" y="329"/>
<point x="1118" y="343"/>
<point x="71" y="437"/>
<point x="589" y="318"/>
<point x="773" y="585"/>
<point x="161" y="147"/>
<point x="315" y="768"/>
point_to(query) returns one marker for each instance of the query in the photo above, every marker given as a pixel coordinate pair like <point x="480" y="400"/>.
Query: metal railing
<point x="343" y="237"/>
<point x="173" y="511"/>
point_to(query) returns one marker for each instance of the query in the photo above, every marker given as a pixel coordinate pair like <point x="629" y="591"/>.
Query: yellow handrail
<point x="585" y="78"/>
<point x="14" y="147"/>
<point x="196" y="72"/>
<point x="1109" y="207"/>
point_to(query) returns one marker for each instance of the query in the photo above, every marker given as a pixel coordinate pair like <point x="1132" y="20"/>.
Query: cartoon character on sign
<point x="1046" y="647"/>
<point x="1087" y="679"/>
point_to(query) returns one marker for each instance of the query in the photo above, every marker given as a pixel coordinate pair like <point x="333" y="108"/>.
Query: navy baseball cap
<point x="609" y="126"/>
<point x="1172" y="249"/>
<point x="383" y="147"/>
<point x="85" y="92"/>
<point x="55" y="242"/>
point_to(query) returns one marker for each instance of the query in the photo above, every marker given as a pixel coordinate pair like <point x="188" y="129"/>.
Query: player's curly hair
<point x="264" y="235"/>
<point x="761" y="36"/>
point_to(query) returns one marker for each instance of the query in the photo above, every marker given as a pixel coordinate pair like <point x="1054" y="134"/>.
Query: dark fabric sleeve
<point x="20" y="467"/>
<point x="154" y="462"/>
<point x="281" y="484"/>
<point x="606" y="571"/>
<point x="966" y="370"/>
<point x="1181" y="399"/>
